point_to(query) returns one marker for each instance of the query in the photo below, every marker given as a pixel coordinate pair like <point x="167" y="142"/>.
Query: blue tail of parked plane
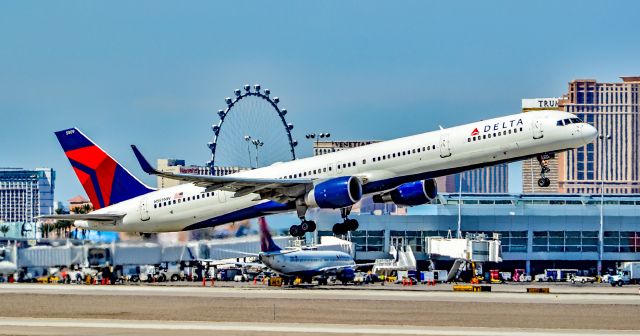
<point x="266" y="242"/>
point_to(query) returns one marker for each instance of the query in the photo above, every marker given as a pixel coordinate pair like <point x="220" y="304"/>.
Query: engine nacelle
<point x="339" y="192"/>
<point x="410" y="194"/>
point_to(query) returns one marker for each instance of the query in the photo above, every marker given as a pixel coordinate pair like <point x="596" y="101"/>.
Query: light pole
<point x="317" y="137"/>
<point x="247" y="138"/>
<point x="459" y="233"/>
<point x="602" y="176"/>
<point x="257" y="143"/>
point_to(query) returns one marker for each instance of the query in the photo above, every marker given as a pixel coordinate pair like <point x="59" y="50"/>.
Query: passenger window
<point x="364" y="161"/>
<point x="314" y="171"/>
<point x="468" y="139"/>
<point x="489" y="136"/>
<point x="174" y="201"/>
<point x="484" y="136"/>
<point x="515" y="130"/>
<point x="324" y="170"/>
<point x="520" y="129"/>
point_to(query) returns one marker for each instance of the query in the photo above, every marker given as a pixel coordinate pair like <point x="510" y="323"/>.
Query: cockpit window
<point x="568" y="121"/>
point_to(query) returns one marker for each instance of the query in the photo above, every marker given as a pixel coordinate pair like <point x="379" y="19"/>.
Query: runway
<point x="159" y="310"/>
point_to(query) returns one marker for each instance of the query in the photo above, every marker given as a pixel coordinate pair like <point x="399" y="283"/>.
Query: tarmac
<point x="31" y="309"/>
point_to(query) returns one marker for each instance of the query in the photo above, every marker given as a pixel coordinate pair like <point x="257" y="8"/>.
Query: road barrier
<point x="541" y="290"/>
<point x="471" y="288"/>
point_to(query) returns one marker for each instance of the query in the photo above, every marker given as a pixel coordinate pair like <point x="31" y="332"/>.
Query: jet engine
<point x="410" y="194"/>
<point x="339" y="192"/>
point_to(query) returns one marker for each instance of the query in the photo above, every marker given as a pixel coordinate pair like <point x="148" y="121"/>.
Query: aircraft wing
<point x="89" y="217"/>
<point x="281" y="190"/>
<point x="339" y="268"/>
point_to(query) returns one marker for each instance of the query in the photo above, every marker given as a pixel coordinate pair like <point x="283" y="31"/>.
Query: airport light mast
<point x="601" y="231"/>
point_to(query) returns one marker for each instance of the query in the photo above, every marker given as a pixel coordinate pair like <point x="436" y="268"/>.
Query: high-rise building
<point x="485" y="180"/>
<point x="614" y="158"/>
<point x="324" y="147"/>
<point x="178" y="166"/>
<point x="26" y="194"/>
<point x="531" y="167"/>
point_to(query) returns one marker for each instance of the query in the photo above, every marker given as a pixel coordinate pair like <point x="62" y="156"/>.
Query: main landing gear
<point x="305" y="226"/>
<point x="543" y="159"/>
<point x="347" y="224"/>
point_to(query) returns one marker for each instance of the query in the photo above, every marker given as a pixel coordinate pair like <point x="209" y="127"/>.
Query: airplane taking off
<point x="401" y="171"/>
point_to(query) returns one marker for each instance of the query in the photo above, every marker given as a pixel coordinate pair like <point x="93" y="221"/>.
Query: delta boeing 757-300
<point x="401" y="171"/>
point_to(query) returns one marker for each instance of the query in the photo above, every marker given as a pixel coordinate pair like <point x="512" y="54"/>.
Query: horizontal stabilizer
<point x="87" y="217"/>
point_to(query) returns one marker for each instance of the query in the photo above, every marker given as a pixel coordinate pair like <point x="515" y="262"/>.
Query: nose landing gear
<point x="543" y="160"/>
<point x="347" y="224"/>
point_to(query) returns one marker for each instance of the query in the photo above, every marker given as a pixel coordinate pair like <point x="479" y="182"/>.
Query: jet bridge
<point x="403" y="260"/>
<point x="474" y="249"/>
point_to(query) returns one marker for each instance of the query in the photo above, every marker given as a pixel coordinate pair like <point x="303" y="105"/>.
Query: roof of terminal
<point x="552" y="199"/>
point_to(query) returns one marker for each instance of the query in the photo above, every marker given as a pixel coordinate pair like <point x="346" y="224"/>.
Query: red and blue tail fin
<point x="266" y="242"/>
<point x="105" y="180"/>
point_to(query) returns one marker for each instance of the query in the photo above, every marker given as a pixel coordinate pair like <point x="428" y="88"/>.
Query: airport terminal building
<point x="537" y="231"/>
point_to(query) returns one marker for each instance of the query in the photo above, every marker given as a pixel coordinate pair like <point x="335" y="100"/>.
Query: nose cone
<point x="589" y="132"/>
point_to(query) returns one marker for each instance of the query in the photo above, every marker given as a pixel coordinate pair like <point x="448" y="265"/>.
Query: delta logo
<point x="475" y="132"/>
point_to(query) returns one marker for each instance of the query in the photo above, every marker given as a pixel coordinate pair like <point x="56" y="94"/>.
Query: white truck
<point x="629" y="272"/>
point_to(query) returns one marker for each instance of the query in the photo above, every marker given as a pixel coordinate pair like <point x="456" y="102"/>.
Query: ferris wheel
<point x="251" y="131"/>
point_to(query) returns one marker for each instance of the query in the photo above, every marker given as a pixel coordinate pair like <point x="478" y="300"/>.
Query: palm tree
<point x="4" y="229"/>
<point x="60" y="224"/>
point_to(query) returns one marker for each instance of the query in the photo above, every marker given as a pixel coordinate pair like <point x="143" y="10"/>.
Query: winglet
<point x="143" y="162"/>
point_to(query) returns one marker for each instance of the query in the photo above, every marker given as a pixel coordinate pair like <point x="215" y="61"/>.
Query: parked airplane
<point x="303" y="262"/>
<point x="399" y="171"/>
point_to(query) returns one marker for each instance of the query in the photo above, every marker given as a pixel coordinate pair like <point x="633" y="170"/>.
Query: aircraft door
<point x="397" y="242"/>
<point x="144" y="210"/>
<point x="222" y="196"/>
<point x="445" y="149"/>
<point x="537" y="130"/>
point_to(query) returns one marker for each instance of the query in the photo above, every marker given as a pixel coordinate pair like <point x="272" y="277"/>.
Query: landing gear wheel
<point x="296" y="231"/>
<point x="308" y="226"/>
<point x="543" y="160"/>
<point x="351" y="224"/>
<point x="544" y="182"/>
<point x="339" y="229"/>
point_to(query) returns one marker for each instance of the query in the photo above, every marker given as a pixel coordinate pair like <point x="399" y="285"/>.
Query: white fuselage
<point x="306" y="262"/>
<point x="381" y="166"/>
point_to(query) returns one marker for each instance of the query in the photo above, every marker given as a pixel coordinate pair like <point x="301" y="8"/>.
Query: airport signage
<point x="540" y="103"/>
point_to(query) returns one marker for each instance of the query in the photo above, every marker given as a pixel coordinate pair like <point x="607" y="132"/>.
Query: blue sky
<point x="154" y="73"/>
